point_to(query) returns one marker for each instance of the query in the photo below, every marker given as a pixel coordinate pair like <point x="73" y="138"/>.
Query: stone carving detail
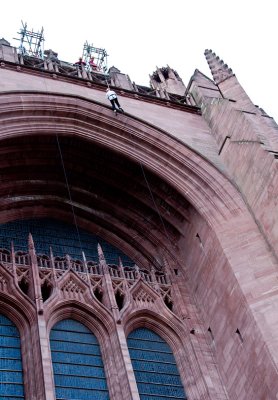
<point x="23" y="279"/>
<point x="72" y="289"/>
<point x="60" y="263"/>
<point x="96" y="282"/>
<point x="74" y="277"/>
<point x="143" y="297"/>
<point x="83" y="277"/>
<point x="119" y="289"/>
<point x="5" y="256"/>
<point x="3" y="284"/>
<point x="219" y="70"/>
<point x="46" y="276"/>
<point x="22" y="258"/>
<point x="8" y="266"/>
<point x="43" y="261"/>
<point x="47" y="283"/>
<point x="59" y="273"/>
<point x="118" y="286"/>
<point x="23" y="274"/>
<point x="165" y="292"/>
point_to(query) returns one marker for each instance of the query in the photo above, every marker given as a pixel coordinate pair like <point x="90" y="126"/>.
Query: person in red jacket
<point x="92" y="64"/>
<point x="79" y="63"/>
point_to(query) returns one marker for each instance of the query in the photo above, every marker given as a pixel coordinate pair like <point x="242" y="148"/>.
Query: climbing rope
<point x="146" y="182"/>
<point x="69" y="193"/>
<point x="154" y="203"/>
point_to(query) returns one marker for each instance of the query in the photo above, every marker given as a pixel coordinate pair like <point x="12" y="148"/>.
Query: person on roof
<point x="113" y="98"/>
<point x="92" y="64"/>
<point x="79" y="63"/>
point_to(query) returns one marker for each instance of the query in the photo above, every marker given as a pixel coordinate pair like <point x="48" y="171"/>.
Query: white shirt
<point x="111" y="95"/>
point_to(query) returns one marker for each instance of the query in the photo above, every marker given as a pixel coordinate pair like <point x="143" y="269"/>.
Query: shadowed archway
<point x="126" y="181"/>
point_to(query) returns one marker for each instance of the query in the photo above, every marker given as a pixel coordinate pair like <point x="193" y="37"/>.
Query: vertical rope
<point x="69" y="193"/>
<point x="154" y="203"/>
<point x="153" y="200"/>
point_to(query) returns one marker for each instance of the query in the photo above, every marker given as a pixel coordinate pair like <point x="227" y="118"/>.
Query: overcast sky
<point x="142" y="34"/>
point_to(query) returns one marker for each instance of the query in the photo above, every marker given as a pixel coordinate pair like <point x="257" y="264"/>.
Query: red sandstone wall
<point x="238" y="256"/>
<point x="248" y="146"/>
<point x="242" y="358"/>
<point x="188" y="127"/>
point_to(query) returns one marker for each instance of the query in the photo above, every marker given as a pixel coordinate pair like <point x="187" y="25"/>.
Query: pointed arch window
<point x="11" y="375"/>
<point x="77" y="362"/>
<point x="154" y="366"/>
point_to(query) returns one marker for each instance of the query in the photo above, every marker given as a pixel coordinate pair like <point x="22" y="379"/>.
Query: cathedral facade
<point x="138" y="250"/>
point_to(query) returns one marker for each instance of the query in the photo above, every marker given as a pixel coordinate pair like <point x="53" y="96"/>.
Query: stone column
<point x="125" y="372"/>
<point x="46" y="364"/>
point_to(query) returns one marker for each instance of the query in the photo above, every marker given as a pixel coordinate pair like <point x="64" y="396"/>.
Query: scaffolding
<point x="31" y="43"/>
<point x="95" y="58"/>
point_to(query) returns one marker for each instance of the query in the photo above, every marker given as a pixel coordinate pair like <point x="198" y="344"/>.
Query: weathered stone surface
<point x="189" y="196"/>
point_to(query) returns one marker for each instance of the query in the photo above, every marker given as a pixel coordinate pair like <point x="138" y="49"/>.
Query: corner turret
<point x="167" y="79"/>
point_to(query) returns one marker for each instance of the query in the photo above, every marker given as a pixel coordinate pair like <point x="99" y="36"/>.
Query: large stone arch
<point x="37" y="116"/>
<point x="226" y="264"/>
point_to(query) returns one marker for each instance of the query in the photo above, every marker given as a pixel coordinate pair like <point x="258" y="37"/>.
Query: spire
<point x="31" y="242"/>
<point x="219" y="70"/>
<point x="100" y="253"/>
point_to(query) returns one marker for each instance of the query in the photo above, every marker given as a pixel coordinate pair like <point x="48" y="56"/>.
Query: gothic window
<point x="11" y="376"/>
<point x="77" y="363"/>
<point x="154" y="366"/>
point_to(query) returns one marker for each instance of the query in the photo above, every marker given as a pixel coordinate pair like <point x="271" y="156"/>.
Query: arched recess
<point x="100" y="323"/>
<point x="77" y="362"/>
<point x="143" y="178"/>
<point x="154" y="366"/>
<point x="22" y="314"/>
<point x="122" y="149"/>
<point x="177" y="336"/>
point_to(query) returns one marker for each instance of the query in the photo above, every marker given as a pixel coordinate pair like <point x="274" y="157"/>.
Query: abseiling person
<point x="113" y="98"/>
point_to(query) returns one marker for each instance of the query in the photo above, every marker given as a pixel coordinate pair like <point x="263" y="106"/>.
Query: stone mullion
<point x="126" y="373"/>
<point x="108" y="286"/>
<point x="13" y="263"/>
<point x="45" y="361"/>
<point x="154" y="281"/>
<point x="134" y="394"/>
<point x="53" y="270"/>
<point x="125" y="283"/>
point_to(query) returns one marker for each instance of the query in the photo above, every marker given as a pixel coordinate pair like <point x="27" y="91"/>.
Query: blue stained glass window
<point x="61" y="237"/>
<point x="11" y="375"/>
<point x="154" y="367"/>
<point x="77" y="363"/>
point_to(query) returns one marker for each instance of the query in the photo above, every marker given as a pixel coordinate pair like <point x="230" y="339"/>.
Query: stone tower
<point x="138" y="254"/>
